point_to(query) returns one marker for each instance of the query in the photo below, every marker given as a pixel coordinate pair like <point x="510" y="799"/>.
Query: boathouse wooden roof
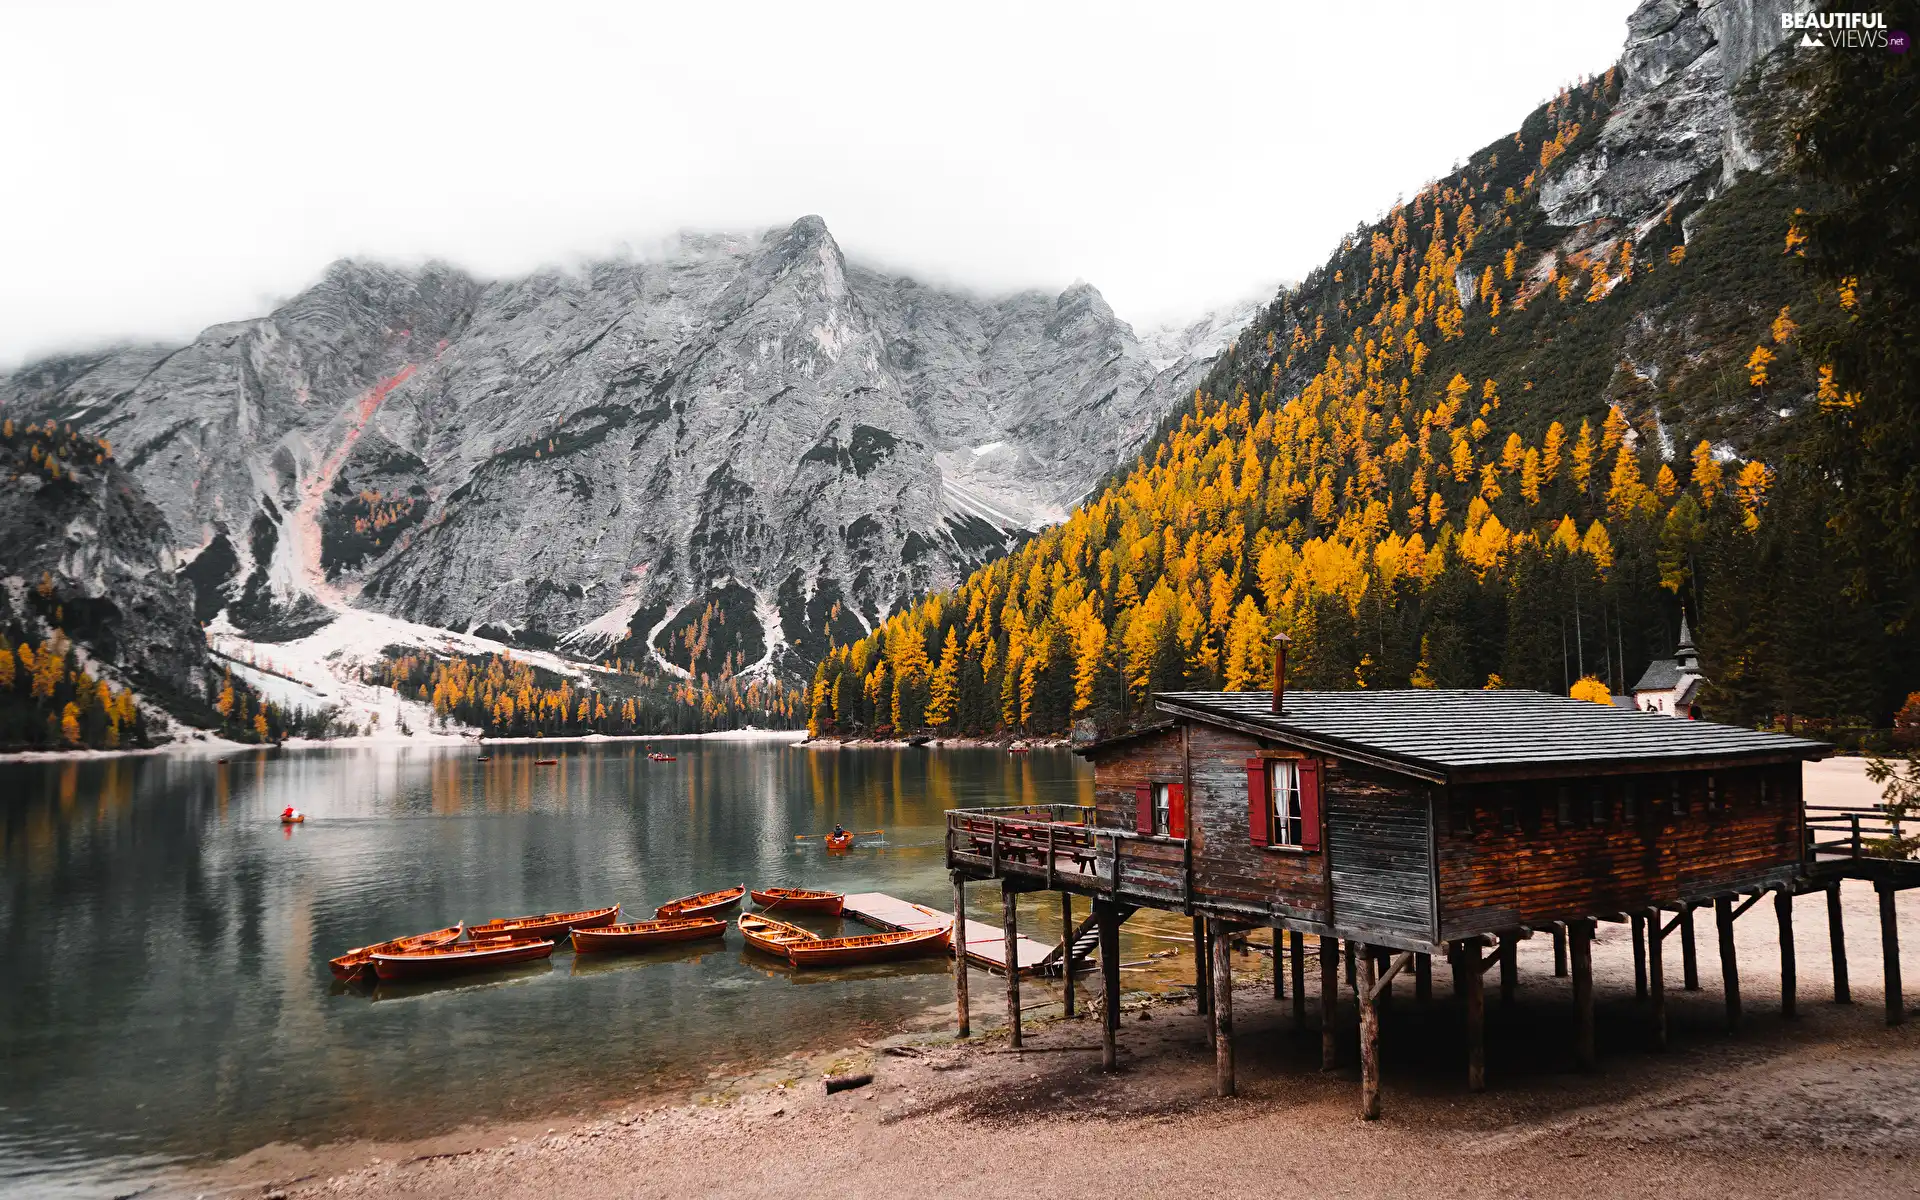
<point x="1460" y="736"/>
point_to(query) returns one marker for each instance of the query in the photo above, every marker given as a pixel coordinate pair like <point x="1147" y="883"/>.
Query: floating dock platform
<point x="986" y="944"/>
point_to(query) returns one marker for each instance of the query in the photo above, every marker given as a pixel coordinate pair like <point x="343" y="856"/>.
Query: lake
<point x="166" y="990"/>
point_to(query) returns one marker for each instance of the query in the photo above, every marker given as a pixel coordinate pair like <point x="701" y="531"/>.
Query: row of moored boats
<point x="460" y="949"/>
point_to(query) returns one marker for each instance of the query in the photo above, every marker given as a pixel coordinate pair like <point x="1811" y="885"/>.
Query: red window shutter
<point x="1177" y="810"/>
<point x="1143" y="810"/>
<point x="1257" y="804"/>
<point x="1310" y="803"/>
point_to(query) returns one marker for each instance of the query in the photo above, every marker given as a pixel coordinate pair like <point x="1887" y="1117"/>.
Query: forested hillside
<point x="1478" y="448"/>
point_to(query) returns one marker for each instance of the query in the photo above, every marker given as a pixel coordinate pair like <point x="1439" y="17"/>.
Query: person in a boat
<point x="838" y="832"/>
<point x="286" y="814"/>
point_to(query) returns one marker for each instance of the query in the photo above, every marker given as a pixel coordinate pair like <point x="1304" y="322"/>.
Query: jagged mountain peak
<point x="726" y="453"/>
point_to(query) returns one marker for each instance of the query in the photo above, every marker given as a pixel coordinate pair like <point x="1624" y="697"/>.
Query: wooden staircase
<point x="1074" y="953"/>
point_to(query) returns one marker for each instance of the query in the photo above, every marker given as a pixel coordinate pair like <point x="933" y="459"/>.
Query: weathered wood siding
<point x="1230" y="872"/>
<point x="1527" y="853"/>
<point x="1119" y="773"/>
<point x="1377" y="840"/>
<point x="1153" y="867"/>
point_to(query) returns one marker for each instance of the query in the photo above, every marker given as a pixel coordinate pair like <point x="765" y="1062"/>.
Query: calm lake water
<point x="164" y="991"/>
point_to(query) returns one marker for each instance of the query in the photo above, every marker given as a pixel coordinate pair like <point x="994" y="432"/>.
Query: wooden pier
<point x="986" y="944"/>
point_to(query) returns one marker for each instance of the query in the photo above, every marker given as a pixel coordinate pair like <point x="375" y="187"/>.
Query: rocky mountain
<point x="726" y="456"/>
<point x="1685" y="122"/>
<point x="1603" y="372"/>
<point x="87" y="554"/>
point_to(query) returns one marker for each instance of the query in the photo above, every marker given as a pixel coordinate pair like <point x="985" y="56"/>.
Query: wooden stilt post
<point x="1689" y="953"/>
<point x="1423" y="977"/>
<point x="1200" y="960"/>
<point x="1474" y="977"/>
<point x="1010" y="928"/>
<point x="1299" y="947"/>
<point x="1729" y="961"/>
<point x="1279" y="963"/>
<point x="1837" y="935"/>
<point x="964" y="1025"/>
<point x="1789" y="969"/>
<point x="1657" y="979"/>
<point x="1066" y="949"/>
<point x="1350" y="973"/>
<point x="1509" y="969"/>
<point x="1329" y="1000"/>
<point x="1222" y="1009"/>
<point x="1559" y="950"/>
<point x="1580" y="951"/>
<point x="1110" y="983"/>
<point x="1890" y="954"/>
<point x="1639" y="924"/>
<point x="1369" y="1038"/>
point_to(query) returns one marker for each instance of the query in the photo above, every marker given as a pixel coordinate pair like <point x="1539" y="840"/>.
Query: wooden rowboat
<point x="358" y="964"/>
<point x="545" y="925"/>
<point x="771" y="936"/>
<point x="839" y="842"/>
<point x="546" y="762"/>
<point x="868" y="947"/>
<point x="799" y="900"/>
<point x="638" y="935"/>
<point x="703" y="905"/>
<point x="459" y="959"/>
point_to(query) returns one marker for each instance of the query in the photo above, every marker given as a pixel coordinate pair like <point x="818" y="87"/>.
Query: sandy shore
<point x="1828" y="1104"/>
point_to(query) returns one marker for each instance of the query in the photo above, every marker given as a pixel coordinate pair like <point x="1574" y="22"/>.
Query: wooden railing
<point x="1061" y="844"/>
<point x="1857" y="831"/>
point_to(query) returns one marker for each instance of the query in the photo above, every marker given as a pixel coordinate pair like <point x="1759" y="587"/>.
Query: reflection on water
<point x="165" y="938"/>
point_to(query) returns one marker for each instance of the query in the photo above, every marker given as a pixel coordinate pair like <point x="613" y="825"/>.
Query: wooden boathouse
<point x="1421" y="824"/>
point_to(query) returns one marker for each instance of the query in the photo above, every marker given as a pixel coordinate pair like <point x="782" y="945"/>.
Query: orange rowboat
<point x="459" y="959"/>
<point x="869" y="947"/>
<point x="358" y="964"/>
<point x="771" y="936"/>
<point x="839" y="842"/>
<point x="545" y="925"/>
<point x="799" y="900"/>
<point x="638" y="935"/>
<point x="703" y="905"/>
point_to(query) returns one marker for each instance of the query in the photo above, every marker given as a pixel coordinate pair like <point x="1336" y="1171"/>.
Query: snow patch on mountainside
<point x="992" y="482"/>
<point x="610" y="626"/>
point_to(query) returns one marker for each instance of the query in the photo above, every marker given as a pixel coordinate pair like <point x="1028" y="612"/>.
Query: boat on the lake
<point x="545" y="925"/>
<point x="639" y="935"/>
<point x="294" y="818"/>
<point x="459" y="958"/>
<point x="770" y="936"/>
<point x="865" y="948"/>
<point x="358" y="964"/>
<point x="704" y="904"/>
<point x="799" y="900"/>
<point x="545" y="762"/>
<point x="837" y="842"/>
<point x="656" y="756"/>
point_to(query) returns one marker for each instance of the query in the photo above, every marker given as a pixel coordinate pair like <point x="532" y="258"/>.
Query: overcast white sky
<point x="169" y="165"/>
